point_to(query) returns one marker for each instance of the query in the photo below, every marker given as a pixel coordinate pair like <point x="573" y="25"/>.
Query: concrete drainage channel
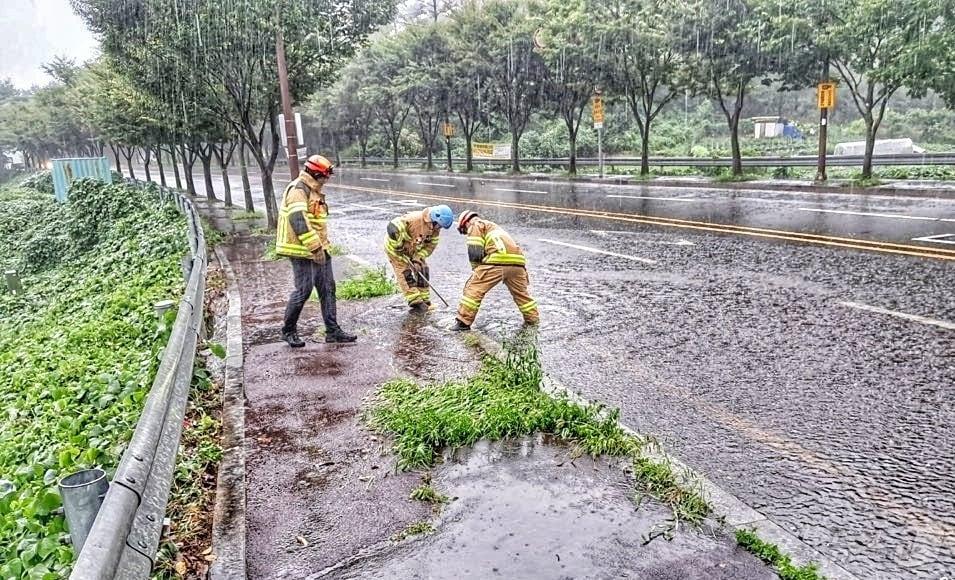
<point x="229" y="521"/>
<point x="229" y="524"/>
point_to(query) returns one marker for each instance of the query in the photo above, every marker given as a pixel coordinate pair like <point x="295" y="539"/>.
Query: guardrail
<point x="125" y="536"/>
<point x="767" y="161"/>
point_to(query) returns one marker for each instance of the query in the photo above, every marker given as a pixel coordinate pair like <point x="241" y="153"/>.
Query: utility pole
<point x="291" y="137"/>
<point x="823" y="125"/>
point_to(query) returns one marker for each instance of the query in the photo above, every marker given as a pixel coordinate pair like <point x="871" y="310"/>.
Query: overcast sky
<point x="32" y="32"/>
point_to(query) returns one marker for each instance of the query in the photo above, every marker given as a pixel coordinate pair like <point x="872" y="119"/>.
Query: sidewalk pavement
<point x="324" y="499"/>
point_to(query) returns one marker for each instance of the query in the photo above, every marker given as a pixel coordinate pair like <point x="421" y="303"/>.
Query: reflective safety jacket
<point x="303" y="219"/>
<point x="412" y="236"/>
<point x="488" y="243"/>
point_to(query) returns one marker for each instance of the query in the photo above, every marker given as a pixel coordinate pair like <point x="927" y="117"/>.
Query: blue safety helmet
<point x="441" y="215"/>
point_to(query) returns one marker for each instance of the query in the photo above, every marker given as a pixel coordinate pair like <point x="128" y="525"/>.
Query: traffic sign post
<point x="825" y="100"/>
<point x="448" y="133"/>
<point x="598" y="113"/>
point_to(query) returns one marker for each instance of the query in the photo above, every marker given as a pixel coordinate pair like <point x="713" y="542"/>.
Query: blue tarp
<point x="66" y="170"/>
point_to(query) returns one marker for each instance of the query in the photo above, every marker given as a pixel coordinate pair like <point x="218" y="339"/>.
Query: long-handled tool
<point x="421" y="275"/>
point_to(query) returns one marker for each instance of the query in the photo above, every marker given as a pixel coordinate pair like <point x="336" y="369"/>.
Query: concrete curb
<point x="947" y="192"/>
<point x="727" y="508"/>
<point x="229" y="519"/>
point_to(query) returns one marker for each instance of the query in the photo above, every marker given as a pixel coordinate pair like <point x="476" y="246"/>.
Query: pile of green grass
<point x="370" y="283"/>
<point x="772" y="555"/>
<point x="504" y="400"/>
<point x="78" y="349"/>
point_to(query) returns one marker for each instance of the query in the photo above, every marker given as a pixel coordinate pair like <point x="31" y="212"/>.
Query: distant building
<point x="772" y="127"/>
<point x="882" y="147"/>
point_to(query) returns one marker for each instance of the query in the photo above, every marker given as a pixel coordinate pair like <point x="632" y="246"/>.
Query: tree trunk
<point x="734" y="143"/>
<point x="119" y="167"/>
<point x="268" y="189"/>
<point x="129" y="164"/>
<point x="468" y="154"/>
<point x="246" y="186"/>
<point x="572" y="168"/>
<point x="159" y="166"/>
<point x="205" y="156"/>
<point x="515" y="158"/>
<point x="147" y="159"/>
<point x="394" y="151"/>
<point x="175" y="166"/>
<point x="188" y="161"/>
<point x="645" y="149"/>
<point x="869" y="150"/>
<point x="363" y="145"/>
<point x="224" y="169"/>
<point x="430" y="149"/>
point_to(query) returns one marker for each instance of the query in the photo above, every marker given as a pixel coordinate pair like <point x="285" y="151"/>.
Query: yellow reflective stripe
<point x="297" y="206"/>
<point x="525" y="308"/>
<point x="475" y="241"/>
<point x="422" y="254"/>
<point x="507" y="259"/>
<point x="308" y="237"/>
<point x="469" y="303"/>
<point x="295" y="251"/>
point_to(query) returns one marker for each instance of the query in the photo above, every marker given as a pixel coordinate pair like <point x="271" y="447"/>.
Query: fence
<point x="768" y="161"/>
<point x="125" y="536"/>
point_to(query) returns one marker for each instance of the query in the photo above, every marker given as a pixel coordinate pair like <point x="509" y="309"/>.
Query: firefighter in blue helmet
<point x="411" y="238"/>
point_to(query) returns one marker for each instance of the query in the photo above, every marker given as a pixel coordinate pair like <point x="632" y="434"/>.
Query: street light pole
<point x="291" y="137"/>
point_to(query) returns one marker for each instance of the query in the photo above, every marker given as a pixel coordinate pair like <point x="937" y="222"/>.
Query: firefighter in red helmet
<point x="302" y="236"/>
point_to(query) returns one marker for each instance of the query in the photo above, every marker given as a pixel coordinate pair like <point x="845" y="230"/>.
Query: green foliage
<point x="78" y="352"/>
<point x="504" y="400"/>
<point x="415" y="529"/>
<point x="41" y="182"/>
<point x="772" y="555"/>
<point x="370" y="283"/>
<point x="428" y="494"/>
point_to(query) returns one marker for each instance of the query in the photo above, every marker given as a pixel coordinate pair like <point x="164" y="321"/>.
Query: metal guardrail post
<point x="82" y="494"/>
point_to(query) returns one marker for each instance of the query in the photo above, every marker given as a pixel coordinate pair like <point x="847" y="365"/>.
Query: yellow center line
<point x="875" y="246"/>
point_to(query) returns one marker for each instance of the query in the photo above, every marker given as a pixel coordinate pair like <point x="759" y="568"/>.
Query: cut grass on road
<point x="504" y="400"/>
<point x="772" y="555"/>
<point x="370" y="283"/>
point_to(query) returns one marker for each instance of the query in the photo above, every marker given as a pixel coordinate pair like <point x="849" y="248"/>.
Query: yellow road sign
<point x="826" y="95"/>
<point x="482" y="149"/>
<point x="598" y="111"/>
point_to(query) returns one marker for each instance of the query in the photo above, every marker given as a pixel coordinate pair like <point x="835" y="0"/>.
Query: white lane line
<point x="913" y="317"/>
<point x="685" y="199"/>
<point x="936" y="239"/>
<point x="609" y="233"/>
<point x="519" y="190"/>
<point x="413" y="202"/>
<point x="881" y="215"/>
<point x="371" y="207"/>
<point x="596" y="251"/>
<point x="436" y="184"/>
<point x="374" y="179"/>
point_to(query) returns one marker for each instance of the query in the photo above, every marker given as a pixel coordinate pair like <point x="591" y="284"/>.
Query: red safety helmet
<point x="318" y="166"/>
<point x="464" y="219"/>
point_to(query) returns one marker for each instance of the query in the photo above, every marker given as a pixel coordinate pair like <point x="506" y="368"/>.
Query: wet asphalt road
<point x="760" y="362"/>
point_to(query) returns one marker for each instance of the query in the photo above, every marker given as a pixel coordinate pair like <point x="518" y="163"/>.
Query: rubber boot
<point x="293" y="339"/>
<point x="340" y="335"/>
<point x="459" y="326"/>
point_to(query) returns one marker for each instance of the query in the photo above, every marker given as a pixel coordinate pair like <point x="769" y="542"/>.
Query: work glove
<point x="410" y="277"/>
<point x="319" y="257"/>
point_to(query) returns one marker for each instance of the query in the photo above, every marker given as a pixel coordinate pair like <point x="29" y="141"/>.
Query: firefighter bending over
<point x="495" y="257"/>
<point x="411" y="239"/>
